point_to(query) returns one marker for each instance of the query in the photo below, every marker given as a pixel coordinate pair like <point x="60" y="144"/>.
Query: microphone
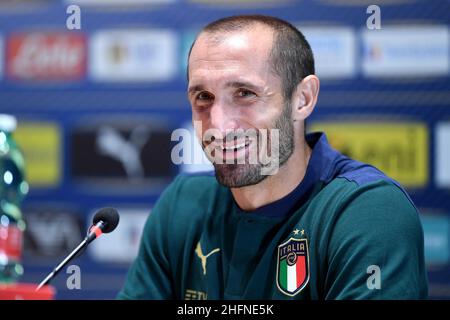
<point x="104" y="221"/>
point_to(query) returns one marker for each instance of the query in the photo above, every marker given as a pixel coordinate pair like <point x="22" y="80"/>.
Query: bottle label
<point x="11" y="242"/>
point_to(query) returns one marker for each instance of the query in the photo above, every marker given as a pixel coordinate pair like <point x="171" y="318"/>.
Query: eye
<point x="204" y="96"/>
<point x="244" y="93"/>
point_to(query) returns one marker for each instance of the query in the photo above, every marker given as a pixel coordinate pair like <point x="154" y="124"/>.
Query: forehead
<point x="225" y="52"/>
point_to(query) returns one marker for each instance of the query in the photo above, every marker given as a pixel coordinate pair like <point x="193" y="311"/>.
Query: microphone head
<point x="109" y="216"/>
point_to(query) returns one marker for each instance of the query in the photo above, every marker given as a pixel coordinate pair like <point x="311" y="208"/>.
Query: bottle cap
<point x="8" y="122"/>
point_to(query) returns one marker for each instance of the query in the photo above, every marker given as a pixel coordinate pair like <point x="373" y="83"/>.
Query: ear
<point x="305" y="97"/>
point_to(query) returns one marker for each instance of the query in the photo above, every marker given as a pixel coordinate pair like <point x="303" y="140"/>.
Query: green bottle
<point x="13" y="189"/>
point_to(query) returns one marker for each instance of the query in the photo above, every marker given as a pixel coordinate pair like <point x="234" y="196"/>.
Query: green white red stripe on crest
<point x="292" y="277"/>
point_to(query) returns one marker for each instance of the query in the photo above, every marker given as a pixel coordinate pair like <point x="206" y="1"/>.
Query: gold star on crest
<point x="296" y="231"/>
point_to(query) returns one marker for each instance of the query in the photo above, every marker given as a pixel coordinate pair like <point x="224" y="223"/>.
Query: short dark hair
<point x="291" y="55"/>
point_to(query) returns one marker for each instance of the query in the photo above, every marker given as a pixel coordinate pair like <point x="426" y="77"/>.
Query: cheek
<point x="265" y="112"/>
<point x="264" y="121"/>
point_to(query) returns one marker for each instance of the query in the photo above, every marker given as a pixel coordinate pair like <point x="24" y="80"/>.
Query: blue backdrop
<point x="89" y="79"/>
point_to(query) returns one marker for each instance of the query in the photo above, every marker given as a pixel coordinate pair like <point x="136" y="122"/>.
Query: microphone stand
<point x="89" y="238"/>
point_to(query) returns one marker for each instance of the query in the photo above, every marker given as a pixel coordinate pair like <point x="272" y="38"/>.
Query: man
<point x="319" y="226"/>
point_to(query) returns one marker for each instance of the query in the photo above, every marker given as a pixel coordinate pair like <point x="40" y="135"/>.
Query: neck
<point x="277" y="186"/>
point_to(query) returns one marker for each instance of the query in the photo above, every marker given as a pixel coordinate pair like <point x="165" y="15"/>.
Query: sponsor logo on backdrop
<point x="121" y="246"/>
<point x="52" y="231"/>
<point x="133" y="55"/>
<point x="406" y="51"/>
<point x="41" y="146"/>
<point x="436" y="230"/>
<point x="334" y="50"/>
<point x="121" y="153"/>
<point x="442" y="151"/>
<point x="400" y="150"/>
<point x="46" y="56"/>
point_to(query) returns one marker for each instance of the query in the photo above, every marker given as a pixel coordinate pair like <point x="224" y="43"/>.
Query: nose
<point x="223" y="117"/>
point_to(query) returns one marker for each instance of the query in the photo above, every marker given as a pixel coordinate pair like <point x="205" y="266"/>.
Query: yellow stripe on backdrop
<point x="40" y="143"/>
<point x="400" y="149"/>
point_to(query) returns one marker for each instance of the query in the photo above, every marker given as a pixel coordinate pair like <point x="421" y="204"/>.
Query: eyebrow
<point x="195" y="88"/>
<point x="240" y="84"/>
<point x="232" y="84"/>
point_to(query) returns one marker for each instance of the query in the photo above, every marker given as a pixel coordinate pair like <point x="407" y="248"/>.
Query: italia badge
<point x="293" y="266"/>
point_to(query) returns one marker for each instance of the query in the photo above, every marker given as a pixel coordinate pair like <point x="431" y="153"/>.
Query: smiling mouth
<point x="236" y="147"/>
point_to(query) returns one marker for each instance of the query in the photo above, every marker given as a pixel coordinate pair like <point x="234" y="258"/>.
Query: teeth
<point x="236" y="147"/>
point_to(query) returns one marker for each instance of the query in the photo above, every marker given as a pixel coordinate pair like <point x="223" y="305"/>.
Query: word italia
<point x="298" y="248"/>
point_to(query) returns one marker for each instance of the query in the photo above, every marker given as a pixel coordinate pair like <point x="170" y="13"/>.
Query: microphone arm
<point x="94" y="232"/>
<point x="55" y="271"/>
